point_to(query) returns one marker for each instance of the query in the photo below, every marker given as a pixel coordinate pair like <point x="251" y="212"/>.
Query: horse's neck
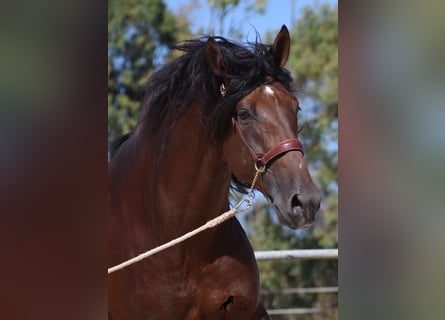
<point x="191" y="180"/>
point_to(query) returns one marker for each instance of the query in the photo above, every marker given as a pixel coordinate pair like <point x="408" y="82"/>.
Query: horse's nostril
<point x="296" y="207"/>
<point x="295" y="202"/>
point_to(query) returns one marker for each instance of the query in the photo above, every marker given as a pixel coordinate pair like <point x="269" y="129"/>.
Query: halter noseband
<point x="262" y="159"/>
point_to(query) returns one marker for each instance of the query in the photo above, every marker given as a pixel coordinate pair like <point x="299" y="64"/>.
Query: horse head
<point x="263" y="136"/>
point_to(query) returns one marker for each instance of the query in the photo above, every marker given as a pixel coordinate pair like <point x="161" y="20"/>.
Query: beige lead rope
<point x="210" y="224"/>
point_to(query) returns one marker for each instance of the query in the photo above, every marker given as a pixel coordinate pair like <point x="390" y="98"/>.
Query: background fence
<point x="298" y="255"/>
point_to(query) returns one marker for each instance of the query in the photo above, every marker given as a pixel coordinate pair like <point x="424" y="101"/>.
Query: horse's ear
<point x="281" y="47"/>
<point x="215" y="58"/>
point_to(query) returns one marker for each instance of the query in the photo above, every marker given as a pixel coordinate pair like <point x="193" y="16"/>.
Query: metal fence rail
<point x="297" y="254"/>
<point x="301" y="290"/>
<point x="274" y="312"/>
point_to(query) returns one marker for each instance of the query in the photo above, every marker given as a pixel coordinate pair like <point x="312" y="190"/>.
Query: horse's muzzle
<point x="303" y="208"/>
<point x="299" y="210"/>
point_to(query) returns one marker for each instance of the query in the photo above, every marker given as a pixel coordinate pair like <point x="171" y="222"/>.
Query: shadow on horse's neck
<point x="191" y="180"/>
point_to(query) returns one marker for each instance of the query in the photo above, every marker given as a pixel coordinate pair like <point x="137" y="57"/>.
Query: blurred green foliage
<point x="314" y="64"/>
<point x="222" y="19"/>
<point x="139" y="32"/>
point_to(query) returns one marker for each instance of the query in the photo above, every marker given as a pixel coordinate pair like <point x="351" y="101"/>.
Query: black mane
<point x="184" y="80"/>
<point x="188" y="79"/>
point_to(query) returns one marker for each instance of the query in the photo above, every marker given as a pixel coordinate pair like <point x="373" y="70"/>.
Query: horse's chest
<point x="218" y="290"/>
<point x="225" y="287"/>
<point x="222" y="284"/>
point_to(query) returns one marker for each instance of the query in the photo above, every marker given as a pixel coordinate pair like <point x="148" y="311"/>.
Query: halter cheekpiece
<point x="263" y="159"/>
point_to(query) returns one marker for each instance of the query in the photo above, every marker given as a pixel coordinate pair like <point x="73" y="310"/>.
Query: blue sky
<point x="278" y="12"/>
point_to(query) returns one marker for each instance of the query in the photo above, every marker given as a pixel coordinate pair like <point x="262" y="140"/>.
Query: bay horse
<point x="210" y="117"/>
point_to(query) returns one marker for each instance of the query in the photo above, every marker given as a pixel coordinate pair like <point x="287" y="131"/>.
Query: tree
<point x="139" y="33"/>
<point x="314" y="64"/>
<point x="220" y="10"/>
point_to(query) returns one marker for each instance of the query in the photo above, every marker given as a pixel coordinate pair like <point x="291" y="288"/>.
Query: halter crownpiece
<point x="222" y="89"/>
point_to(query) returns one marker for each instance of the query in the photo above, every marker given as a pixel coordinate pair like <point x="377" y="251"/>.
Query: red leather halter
<point x="263" y="159"/>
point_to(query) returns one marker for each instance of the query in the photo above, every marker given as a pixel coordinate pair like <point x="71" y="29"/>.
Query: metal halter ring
<point x="262" y="167"/>
<point x="222" y="89"/>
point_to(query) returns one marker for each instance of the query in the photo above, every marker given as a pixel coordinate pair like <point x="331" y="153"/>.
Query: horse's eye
<point x="243" y="115"/>
<point x="298" y="110"/>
